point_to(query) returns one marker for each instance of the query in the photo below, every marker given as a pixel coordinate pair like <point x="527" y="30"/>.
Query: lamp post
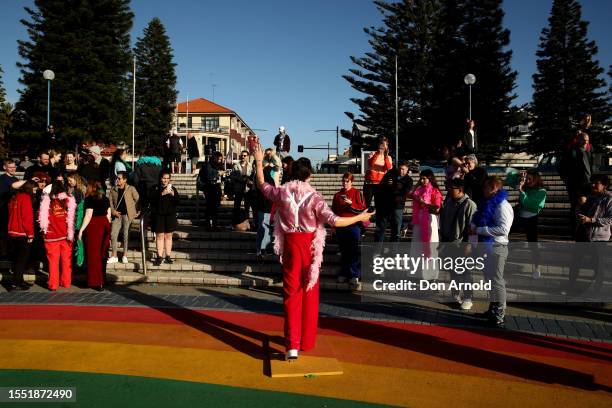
<point x="49" y="76"/>
<point x="470" y="79"/>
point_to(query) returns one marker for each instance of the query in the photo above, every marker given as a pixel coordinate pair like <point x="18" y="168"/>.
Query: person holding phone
<point x="164" y="203"/>
<point x="378" y="164"/>
<point x="349" y="202"/>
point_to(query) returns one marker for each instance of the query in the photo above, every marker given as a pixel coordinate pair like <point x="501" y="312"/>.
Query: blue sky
<point x="280" y="62"/>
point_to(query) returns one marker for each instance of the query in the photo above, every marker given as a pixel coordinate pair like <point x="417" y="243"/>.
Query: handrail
<point x="143" y="243"/>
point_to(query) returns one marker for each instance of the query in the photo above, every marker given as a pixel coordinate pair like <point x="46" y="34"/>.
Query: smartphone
<point x="343" y="196"/>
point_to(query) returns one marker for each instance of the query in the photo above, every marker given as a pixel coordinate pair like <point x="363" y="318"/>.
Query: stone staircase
<point x="227" y="258"/>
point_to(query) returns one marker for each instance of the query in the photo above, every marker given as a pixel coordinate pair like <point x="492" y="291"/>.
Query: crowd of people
<point x="61" y="214"/>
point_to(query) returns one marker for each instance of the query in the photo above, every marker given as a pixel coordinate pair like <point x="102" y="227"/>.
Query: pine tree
<point x="471" y="39"/>
<point x="155" y="85"/>
<point x="5" y="116"/>
<point x="437" y="42"/>
<point x="405" y="35"/>
<point x="87" y="45"/>
<point x="568" y="83"/>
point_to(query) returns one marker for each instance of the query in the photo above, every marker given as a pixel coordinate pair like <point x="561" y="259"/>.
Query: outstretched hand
<point x="365" y="216"/>
<point x="258" y="153"/>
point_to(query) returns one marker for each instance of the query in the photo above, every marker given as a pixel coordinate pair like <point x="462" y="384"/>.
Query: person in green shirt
<point x="532" y="198"/>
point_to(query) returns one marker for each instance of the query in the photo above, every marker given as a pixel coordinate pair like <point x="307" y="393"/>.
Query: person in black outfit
<point x="6" y="193"/>
<point x="193" y="152"/>
<point x="577" y="169"/>
<point x="147" y="171"/>
<point x="390" y="201"/>
<point x="282" y="142"/>
<point x="473" y="178"/>
<point x="96" y="167"/>
<point x="211" y="177"/>
<point x="164" y="199"/>
<point x="43" y="165"/>
<point x="175" y="149"/>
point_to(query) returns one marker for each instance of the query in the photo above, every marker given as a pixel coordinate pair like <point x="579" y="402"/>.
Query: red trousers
<point x="97" y="241"/>
<point x="301" y="306"/>
<point x="59" y="252"/>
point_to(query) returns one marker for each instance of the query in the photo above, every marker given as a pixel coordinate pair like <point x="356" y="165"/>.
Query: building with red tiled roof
<point x="213" y="125"/>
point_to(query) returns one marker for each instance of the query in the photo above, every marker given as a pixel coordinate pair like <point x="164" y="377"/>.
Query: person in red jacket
<point x="21" y="231"/>
<point x="349" y="202"/>
<point x="56" y="218"/>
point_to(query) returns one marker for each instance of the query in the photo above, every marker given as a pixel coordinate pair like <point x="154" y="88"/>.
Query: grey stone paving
<point x="574" y="328"/>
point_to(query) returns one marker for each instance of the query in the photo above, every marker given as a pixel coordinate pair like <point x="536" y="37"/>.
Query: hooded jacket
<point x="455" y="218"/>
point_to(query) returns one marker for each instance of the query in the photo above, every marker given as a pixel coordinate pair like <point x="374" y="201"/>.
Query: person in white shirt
<point x="492" y="223"/>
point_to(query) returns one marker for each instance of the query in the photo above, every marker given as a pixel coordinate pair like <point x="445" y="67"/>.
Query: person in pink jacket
<point x="56" y="218"/>
<point x="299" y="232"/>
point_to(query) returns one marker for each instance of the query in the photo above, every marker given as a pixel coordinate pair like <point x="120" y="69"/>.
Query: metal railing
<point x="143" y="242"/>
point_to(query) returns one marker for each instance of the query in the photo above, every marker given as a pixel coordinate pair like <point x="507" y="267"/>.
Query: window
<point x="210" y="123"/>
<point x="189" y="122"/>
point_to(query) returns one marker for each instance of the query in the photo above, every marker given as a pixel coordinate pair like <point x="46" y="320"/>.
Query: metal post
<point x="48" y="103"/>
<point x="143" y="242"/>
<point x="396" y="116"/>
<point x="470" y="87"/>
<point x="134" y="113"/>
<point x="337" y="142"/>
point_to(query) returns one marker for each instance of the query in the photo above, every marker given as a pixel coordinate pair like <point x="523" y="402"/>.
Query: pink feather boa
<point x="420" y="213"/>
<point x="299" y="188"/>
<point x="43" y="214"/>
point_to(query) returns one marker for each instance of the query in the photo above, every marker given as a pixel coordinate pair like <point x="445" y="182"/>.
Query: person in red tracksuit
<point x="56" y="218"/>
<point x="299" y="231"/>
<point x="21" y="231"/>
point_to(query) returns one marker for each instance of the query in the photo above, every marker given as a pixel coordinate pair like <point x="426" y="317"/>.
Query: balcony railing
<point x="208" y="129"/>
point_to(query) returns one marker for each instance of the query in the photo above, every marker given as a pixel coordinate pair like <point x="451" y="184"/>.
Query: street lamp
<point x="470" y="79"/>
<point x="49" y="76"/>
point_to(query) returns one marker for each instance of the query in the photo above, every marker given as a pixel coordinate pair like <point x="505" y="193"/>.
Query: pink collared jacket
<point x="299" y="208"/>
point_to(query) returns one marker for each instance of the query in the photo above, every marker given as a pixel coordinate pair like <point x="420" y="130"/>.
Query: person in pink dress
<point x="299" y="231"/>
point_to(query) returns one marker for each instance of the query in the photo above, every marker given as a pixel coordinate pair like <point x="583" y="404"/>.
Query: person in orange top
<point x="21" y="231"/>
<point x="378" y="164"/>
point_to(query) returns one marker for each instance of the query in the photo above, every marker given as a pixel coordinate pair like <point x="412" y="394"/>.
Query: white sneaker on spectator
<point x="466" y="304"/>
<point x="458" y="299"/>
<point x="112" y="260"/>
<point x="124" y="259"/>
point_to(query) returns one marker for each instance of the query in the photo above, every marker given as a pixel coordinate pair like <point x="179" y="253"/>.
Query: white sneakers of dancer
<point x="292" y="355"/>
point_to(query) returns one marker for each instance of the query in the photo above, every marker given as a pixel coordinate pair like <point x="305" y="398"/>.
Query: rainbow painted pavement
<point x="119" y="356"/>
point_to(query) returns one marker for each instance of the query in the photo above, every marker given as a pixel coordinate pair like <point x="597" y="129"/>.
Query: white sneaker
<point x="292" y="354"/>
<point x="458" y="299"/>
<point x="124" y="259"/>
<point x="112" y="260"/>
<point x="537" y="274"/>
<point x="466" y="304"/>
